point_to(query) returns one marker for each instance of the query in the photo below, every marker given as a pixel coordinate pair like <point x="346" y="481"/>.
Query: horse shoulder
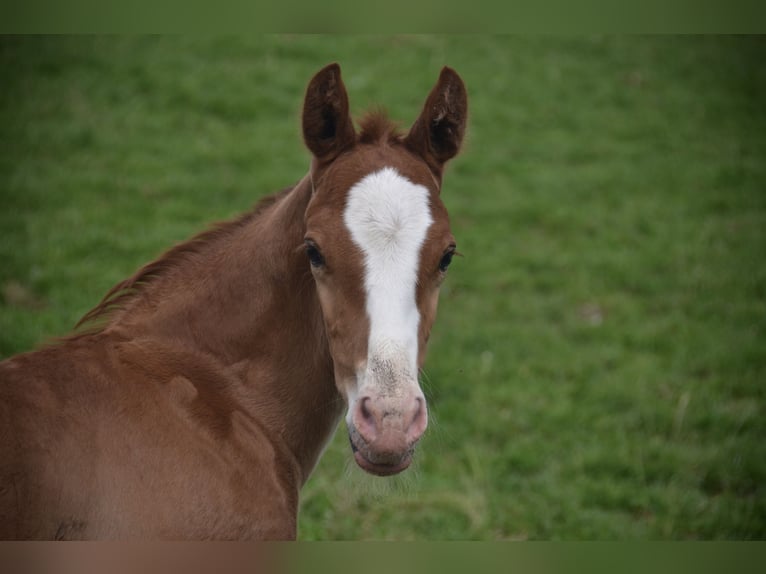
<point x="46" y="451"/>
<point x="142" y="427"/>
<point x="231" y="477"/>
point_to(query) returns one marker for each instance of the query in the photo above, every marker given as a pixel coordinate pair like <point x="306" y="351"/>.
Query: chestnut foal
<point x="199" y="403"/>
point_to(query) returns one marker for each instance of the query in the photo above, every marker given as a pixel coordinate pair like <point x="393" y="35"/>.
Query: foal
<point x="199" y="403"/>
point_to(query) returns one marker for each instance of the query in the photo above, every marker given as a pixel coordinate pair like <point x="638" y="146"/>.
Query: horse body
<point x="200" y="406"/>
<point x="193" y="401"/>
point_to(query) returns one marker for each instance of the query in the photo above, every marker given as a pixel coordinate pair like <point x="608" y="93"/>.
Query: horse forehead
<point x="380" y="183"/>
<point x="385" y="209"/>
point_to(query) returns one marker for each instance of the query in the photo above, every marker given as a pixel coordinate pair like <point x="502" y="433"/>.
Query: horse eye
<point x="315" y="257"/>
<point x="446" y="259"/>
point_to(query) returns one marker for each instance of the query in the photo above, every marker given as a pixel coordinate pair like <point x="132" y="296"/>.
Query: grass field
<point x="598" y="367"/>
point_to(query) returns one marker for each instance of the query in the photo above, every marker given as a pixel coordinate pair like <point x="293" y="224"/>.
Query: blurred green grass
<point x="597" y="369"/>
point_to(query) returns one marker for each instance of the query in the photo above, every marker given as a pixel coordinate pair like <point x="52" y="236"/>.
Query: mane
<point x="129" y="289"/>
<point x="377" y="127"/>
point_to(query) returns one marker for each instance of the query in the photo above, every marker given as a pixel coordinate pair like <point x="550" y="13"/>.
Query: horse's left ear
<point x="327" y="126"/>
<point x="438" y="132"/>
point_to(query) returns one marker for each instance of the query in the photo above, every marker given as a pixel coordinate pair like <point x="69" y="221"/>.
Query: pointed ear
<point x="437" y="134"/>
<point x="327" y="126"/>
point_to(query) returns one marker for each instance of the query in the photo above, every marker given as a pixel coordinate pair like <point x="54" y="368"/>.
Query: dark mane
<point x="377" y="127"/>
<point x="125" y="291"/>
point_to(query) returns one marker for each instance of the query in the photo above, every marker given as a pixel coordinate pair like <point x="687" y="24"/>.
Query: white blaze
<point x="388" y="217"/>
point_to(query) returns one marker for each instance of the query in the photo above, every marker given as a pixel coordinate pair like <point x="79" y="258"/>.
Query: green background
<point x="598" y="365"/>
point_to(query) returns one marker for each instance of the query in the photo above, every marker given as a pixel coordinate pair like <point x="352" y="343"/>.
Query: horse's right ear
<point x="327" y="126"/>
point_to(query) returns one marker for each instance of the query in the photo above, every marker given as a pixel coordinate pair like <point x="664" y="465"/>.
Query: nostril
<point x="365" y="411"/>
<point x="417" y="410"/>
<point x="364" y="419"/>
<point x="419" y="419"/>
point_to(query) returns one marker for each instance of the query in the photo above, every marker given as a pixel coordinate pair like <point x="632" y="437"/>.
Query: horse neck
<point x="248" y="301"/>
